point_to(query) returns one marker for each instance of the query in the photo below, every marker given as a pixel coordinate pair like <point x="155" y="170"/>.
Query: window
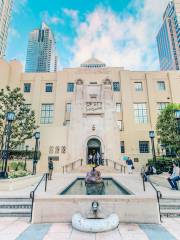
<point x="161" y="86"/>
<point x="47" y="111"/>
<point x="138" y="86"/>
<point x="116" y="86"/>
<point x="49" y="87"/>
<point x="119" y="123"/>
<point x="122" y="147"/>
<point x="70" y="87"/>
<point x="140" y="113"/>
<point x="57" y="150"/>
<point x="161" y="106"/>
<point x="27" y="87"/>
<point x="143" y="146"/>
<point x="68" y="107"/>
<point x="118" y="107"/>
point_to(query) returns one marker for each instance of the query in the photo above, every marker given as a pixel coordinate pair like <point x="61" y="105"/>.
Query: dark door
<point x="93" y="146"/>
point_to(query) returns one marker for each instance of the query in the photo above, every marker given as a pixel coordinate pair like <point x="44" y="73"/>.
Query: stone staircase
<point x="170" y="207"/>
<point x="102" y="169"/>
<point x="15" y="207"/>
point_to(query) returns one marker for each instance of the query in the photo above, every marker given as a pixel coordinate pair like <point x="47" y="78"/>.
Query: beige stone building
<point x="94" y="107"/>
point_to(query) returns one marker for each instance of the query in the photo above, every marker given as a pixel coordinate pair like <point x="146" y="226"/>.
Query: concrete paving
<point x="21" y="229"/>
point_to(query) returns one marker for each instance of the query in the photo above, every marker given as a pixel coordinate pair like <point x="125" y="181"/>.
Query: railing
<point x="115" y="164"/>
<point x="142" y="176"/>
<point x="71" y="165"/>
<point x="158" y="195"/>
<point x="32" y="193"/>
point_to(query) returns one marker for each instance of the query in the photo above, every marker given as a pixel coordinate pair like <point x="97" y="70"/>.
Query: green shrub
<point x="13" y="166"/>
<point x="163" y="164"/>
<point x="19" y="173"/>
<point x="16" y="165"/>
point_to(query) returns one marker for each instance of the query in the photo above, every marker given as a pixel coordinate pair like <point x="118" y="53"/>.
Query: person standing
<point x="94" y="157"/>
<point x="90" y="158"/>
<point x="50" y="167"/>
<point x="98" y="157"/>
<point x="129" y="163"/>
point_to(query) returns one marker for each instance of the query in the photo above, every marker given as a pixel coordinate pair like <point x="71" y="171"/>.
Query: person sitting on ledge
<point x="174" y="177"/>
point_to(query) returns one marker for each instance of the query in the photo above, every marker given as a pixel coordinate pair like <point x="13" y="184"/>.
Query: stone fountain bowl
<point x="95" y="225"/>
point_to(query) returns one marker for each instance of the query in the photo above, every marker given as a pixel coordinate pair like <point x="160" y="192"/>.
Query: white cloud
<point x="13" y="33"/>
<point x="128" y="40"/>
<point x="73" y="14"/>
<point x="51" y="19"/>
<point x="18" y="5"/>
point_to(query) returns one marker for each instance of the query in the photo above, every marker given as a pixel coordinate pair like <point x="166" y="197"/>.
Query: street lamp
<point x="35" y="160"/>
<point x="177" y="116"/>
<point x="163" y="149"/>
<point x="152" y="136"/>
<point x="25" y="164"/>
<point x="10" y="117"/>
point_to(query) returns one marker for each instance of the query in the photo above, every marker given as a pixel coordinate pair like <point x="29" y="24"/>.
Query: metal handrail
<point x="142" y="175"/>
<point x="158" y="195"/>
<point x="32" y="193"/>
<point x="123" y="167"/>
<point x="64" y="168"/>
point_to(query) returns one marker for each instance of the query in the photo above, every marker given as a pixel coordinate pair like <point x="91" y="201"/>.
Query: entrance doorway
<point x="93" y="146"/>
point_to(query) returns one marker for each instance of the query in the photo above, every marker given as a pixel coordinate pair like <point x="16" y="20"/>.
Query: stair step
<point x="15" y="207"/>
<point x="170" y="204"/>
<point x="7" y="206"/>
<point x="15" y="210"/>
<point x="173" y="211"/>
<point x="169" y="200"/>
<point x="15" y="200"/>
<point x="15" y="203"/>
<point x="15" y="215"/>
<point x="169" y="208"/>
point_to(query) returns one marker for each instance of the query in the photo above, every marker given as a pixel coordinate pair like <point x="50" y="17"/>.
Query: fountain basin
<point x="108" y="187"/>
<point x="95" y="225"/>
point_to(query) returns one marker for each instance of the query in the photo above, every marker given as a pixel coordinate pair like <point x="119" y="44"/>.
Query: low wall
<point x="18" y="183"/>
<point x="129" y="208"/>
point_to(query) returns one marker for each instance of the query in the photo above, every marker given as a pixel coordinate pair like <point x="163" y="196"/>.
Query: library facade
<point x="94" y="108"/>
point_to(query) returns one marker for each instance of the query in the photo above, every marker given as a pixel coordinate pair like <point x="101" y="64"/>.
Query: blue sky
<point x="118" y="32"/>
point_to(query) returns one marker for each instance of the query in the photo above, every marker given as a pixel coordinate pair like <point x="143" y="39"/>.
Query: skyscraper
<point x="168" y="38"/>
<point x="41" y="52"/>
<point x="5" y="13"/>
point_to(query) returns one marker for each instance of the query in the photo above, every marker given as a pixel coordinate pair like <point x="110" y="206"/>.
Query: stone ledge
<point x="18" y="183"/>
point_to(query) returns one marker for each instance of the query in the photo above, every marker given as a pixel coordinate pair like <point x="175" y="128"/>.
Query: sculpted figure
<point x="93" y="176"/>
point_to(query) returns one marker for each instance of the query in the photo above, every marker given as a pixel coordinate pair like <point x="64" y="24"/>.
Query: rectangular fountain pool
<point x="108" y="187"/>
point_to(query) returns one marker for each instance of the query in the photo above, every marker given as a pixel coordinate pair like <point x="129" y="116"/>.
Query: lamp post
<point x="152" y="136"/>
<point x="163" y="149"/>
<point x="177" y="116"/>
<point x="25" y="164"/>
<point x="10" y="117"/>
<point x="35" y="159"/>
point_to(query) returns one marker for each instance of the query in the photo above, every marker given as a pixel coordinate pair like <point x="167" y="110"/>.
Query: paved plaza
<point x="21" y="229"/>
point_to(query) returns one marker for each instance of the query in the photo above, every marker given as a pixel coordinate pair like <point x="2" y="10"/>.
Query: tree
<point x="167" y="128"/>
<point x="24" y="124"/>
